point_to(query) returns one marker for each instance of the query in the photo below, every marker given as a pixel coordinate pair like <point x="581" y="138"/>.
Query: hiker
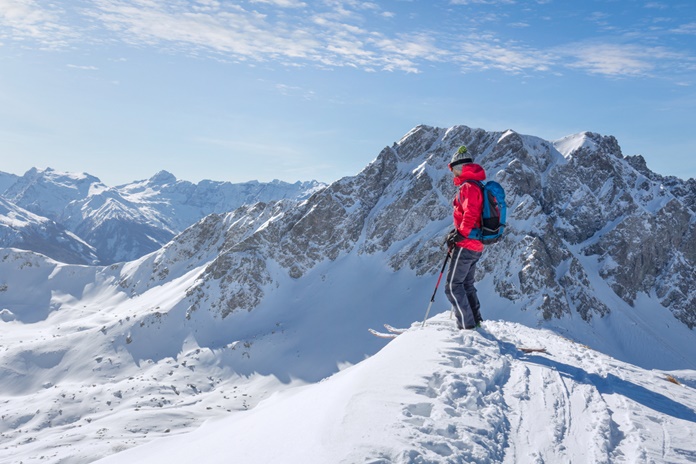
<point x="466" y="252"/>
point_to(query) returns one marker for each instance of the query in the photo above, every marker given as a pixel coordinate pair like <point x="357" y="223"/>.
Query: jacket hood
<point x="471" y="171"/>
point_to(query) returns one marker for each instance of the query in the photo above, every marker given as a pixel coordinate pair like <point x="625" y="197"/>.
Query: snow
<point x="571" y="143"/>
<point x="15" y="217"/>
<point x="441" y="395"/>
<point x="91" y="369"/>
<point x="129" y="221"/>
<point x="124" y="364"/>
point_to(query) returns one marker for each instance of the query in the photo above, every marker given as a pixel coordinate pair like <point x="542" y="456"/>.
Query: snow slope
<point x="258" y="305"/>
<point x="129" y="221"/>
<point x="441" y="395"/>
<point x="23" y="229"/>
<point x="105" y="369"/>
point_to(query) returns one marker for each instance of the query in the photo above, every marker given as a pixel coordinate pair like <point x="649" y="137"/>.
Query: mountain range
<point x="245" y="312"/>
<point x="125" y="222"/>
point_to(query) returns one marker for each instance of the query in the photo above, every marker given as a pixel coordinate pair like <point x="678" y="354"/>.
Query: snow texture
<point x="126" y="222"/>
<point x="442" y="395"/>
<point x="250" y="326"/>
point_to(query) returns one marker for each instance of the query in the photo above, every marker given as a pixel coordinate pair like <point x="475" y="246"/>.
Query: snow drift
<point x="442" y="395"/>
<point x="252" y="303"/>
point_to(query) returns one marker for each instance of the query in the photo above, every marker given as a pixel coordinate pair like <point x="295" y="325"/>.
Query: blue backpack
<point x="493" y="213"/>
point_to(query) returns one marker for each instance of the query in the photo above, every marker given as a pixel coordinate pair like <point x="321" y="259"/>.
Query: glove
<point x="453" y="237"/>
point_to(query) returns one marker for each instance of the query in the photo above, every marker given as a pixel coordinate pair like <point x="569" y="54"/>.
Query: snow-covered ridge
<point x="126" y="222"/>
<point x="248" y="303"/>
<point x="24" y="229"/>
<point x="572" y="143"/>
<point x="439" y="395"/>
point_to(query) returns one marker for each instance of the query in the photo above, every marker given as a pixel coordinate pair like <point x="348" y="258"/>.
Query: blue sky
<point x="299" y="90"/>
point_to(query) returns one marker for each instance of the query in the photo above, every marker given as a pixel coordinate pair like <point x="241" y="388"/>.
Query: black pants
<point x="460" y="288"/>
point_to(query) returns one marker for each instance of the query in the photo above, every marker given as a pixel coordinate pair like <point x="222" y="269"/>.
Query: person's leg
<point x="455" y="289"/>
<point x="470" y="289"/>
<point x="450" y="273"/>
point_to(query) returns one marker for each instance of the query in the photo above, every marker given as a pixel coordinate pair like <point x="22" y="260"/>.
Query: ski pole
<point x="449" y="252"/>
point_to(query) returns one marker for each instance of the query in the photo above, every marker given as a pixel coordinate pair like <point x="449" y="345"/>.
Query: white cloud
<point x="482" y="2"/>
<point x="292" y="90"/>
<point x="477" y="54"/>
<point x="243" y="34"/>
<point x="612" y="60"/>
<point x="27" y="19"/>
<point x="623" y="60"/>
<point x="82" y="67"/>
<point x="325" y="33"/>
<point x="689" y="28"/>
<point x="327" y="38"/>
<point x="282" y="3"/>
<point x="656" y="5"/>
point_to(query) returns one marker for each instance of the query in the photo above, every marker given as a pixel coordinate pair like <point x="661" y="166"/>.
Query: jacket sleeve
<point x="470" y="203"/>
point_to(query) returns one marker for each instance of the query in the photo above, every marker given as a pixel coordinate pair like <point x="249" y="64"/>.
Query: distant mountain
<point x="47" y="192"/>
<point x="126" y="222"/>
<point x="20" y="228"/>
<point x="242" y="304"/>
<point x="6" y="180"/>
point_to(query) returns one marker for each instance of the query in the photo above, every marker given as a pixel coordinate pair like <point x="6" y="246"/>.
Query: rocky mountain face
<point x="581" y="216"/>
<point x="126" y="222"/>
<point x="249" y="301"/>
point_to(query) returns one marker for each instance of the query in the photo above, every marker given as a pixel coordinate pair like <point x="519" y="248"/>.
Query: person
<point x="466" y="252"/>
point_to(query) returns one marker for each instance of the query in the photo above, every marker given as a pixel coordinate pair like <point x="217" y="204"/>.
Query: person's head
<point x="460" y="158"/>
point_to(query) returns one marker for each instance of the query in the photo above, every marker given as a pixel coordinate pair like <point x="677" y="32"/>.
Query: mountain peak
<point x="163" y="177"/>
<point x="571" y="143"/>
<point x="251" y="301"/>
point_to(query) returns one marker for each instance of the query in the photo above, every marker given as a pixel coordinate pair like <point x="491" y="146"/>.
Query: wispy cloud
<point x="689" y="28"/>
<point x="331" y="33"/>
<point x="476" y="54"/>
<point x="27" y="19"/>
<point x="82" y="67"/>
<point x="325" y="38"/>
<point x="482" y="2"/>
<point x="283" y="3"/>
<point x="233" y="31"/>
<point x="656" y="5"/>
<point x="293" y="90"/>
<point x="610" y="60"/>
<point x="624" y="60"/>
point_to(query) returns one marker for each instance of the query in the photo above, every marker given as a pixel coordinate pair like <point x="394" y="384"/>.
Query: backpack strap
<point x="477" y="182"/>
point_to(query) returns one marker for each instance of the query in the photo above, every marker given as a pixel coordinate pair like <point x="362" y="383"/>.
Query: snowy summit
<point x="252" y="324"/>
<point x="441" y="395"/>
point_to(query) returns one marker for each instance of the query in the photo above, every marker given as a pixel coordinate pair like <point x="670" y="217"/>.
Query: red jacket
<point x="468" y="205"/>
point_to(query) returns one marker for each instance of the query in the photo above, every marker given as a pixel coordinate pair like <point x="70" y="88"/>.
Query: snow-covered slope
<point x="275" y="295"/>
<point x="6" y="180"/>
<point x="441" y="395"/>
<point x="126" y="222"/>
<point x="23" y="229"/>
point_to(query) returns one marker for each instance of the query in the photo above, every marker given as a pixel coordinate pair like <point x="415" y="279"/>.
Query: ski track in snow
<point x="490" y="402"/>
<point x="440" y="395"/>
<point x="465" y="418"/>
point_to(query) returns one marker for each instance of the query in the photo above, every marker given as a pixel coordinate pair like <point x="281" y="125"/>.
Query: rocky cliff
<point x="581" y="215"/>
